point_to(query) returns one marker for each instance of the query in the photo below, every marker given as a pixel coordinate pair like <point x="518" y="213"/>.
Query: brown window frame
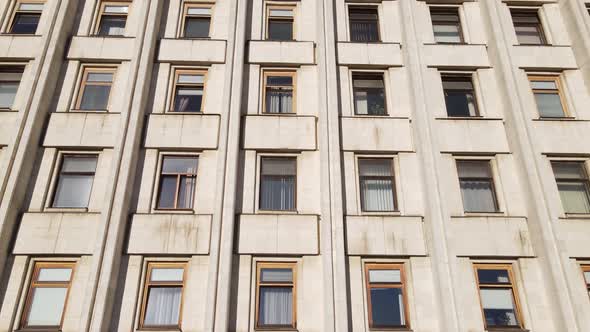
<point x="12" y="70"/>
<point x="261" y="176"/>
<point x="292" y="284"/>
<point x="447" y="10"/>
<point x="16" y="11"/>
<point x="154" y="284"/>
<point x="175" y="84"/>
<point x="538" y="26"/>
<point x="586" y="268"/>
<point x="511" y="284"/>
<point x="179" y="176"/>
<point x="102" y="13"/>
<point x="270" y="6"/>
<point x="559" y="90"/>
<point x="364" y="7"/>
<point x="185" y="15"/>
<point x="401" y="285"/>
<point x="490" y="179"/>
<point x="86" y="70"/>
<point x="392" y="178"/>
<point x="279" y="73"/>
<point x="59" y="172"/>
<point x="33" y="284"/>
<point x="585" y="180"/>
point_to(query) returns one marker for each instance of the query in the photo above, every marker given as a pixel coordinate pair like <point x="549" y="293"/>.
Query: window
<point x="368" y="90"/>
<point x="275" y="295"/>
<point x="280" y="23"/>
<point x="377" y="185"/>
<point x="586" y="271"/>
<point x="279" y="89"/>
<point x="9" y="81"/>
<point x="162" y="296"/>
<point x="446" y="25"/>
<point x="364" y="24"/>
<point x="527" y="25"/>
<point x="573" y="185"/>
<point x="197" y="21"/>
<point x="95" y="89"/>
<point x="477" y="186"/>
<point x="47" y="296"/>
<point x="26" y="17"/>
<point x="498" y="295"/>
<point x="278" y="183"/>
<point x="178" y="179"/>
<point x="113" y="18"/>
<point x="385" y="293"/>
<point x="74" y="182"/>
<point x="460" y="98"/>
<point x="547" y="91"/>
<point x="188" y="91"/>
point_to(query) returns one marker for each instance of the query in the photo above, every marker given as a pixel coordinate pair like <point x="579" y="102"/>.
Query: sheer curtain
<point x="278" y="193"/>
<point x="574" y="197"/>
<point x="276" y="306"/>
<point x="478" y="196"/>
<point x="363" y="31"/>
<point x="186" y="196"/>
<point x="376" y="185"/>
<point x="163" y="306"/>
<point x="278" y="101"/>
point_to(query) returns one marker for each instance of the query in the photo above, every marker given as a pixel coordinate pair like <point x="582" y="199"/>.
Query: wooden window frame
<point x="511" y="285"/>
<point x="392" y="178"/>
<point x="59" y="172"/>
<point x="293" y="285"/>
<point x="12" y="69"/>
<point x="364" y="6"/>
<point x="150" y="284"/>
<point x="16" y="11"/>
<point x="490" y="179"/>
<point x="270" y="6"/>
<point x="401" y="285"/>
<point x="586" y="268"/>
<point x="102" y="13"/>
<point x="185" y="7"/>
<point x="46" y="284"/>
<point x="585" y="180"/>
<point x="451" y="77"/>
<point x="175" y="84"/>
<point x="447" y="10"/>
<point x="261" y="177"/>
<point x="538" y="26"/>
<point x="279" y="73"/>
<point x="83" y="83"/>
<point x="559" y="90"/>
<point x="178" y="177"/>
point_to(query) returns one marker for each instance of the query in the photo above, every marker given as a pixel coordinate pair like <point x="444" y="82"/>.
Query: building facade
<point x="304" y="165"/>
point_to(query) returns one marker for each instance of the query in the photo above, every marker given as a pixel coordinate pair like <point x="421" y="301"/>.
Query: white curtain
<point x="277" y="193"/>
<point x="186" y="195"/>
<point x="47" y="306"/>
<point x="163" y="306"/>
<point x="478" y="196"/>
<point x="276" y="306"/>
<point x="279" y="101"/>
<point x="377" y="195"/>
<point x="73" y="191"/>
<point x="574" y="197"/>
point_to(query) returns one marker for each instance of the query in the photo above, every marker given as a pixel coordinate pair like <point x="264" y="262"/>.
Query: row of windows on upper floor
<point x="175" y="189"/>
<point x="276" y="295"/>
<point x="280" y="21"/>
<point x="369" y="97"/>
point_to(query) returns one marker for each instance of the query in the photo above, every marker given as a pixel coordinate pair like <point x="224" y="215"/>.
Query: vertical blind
<point x="277" y="188"/>
<point x="163" y="306"/>
<point x="376" y="185"/>
<point x="276" y="306"/>
<point x="364" y="24"/>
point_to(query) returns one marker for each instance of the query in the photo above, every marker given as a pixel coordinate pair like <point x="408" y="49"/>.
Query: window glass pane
<point x="391" y="276"/>
<point x="569" y="170"/>
<point x="460" y="103"/>
<point x="279" y="80"/>
<point x="276" y="306"/>
<point x="279" y="101"/>
<point x="549" y="105"/>
<point x="167" y="192"/>
<point x="166" y="274"/>
<point x="196" y="27"/>
<point x="574" y="197"/>
<point x="277" y="193"/>
<point x="54" y="274"/>
<point x="279" y="166"/>
<point x="498" y="307"/>
<point x="587" y="276"/>
<point x="95" y="97"/>
<point x="186" y="194"/>
<point x="7" y="93"/>
<point x="387" y="307"/>
<point x="446" y="33"/>
<point x="280" y="275"/>
<point x="31" y="6"/>
<point x="79" y="164"/>
<point x="191" y="78"/>
<point x="474" y="169"/>
<point x="478" y="196"/>
<point x="281" y="12"/>
<point x="456" y="83"/>
<point x="73" y="191"/>
<point x="116" y="9"/>
<point x="179" y="164"/>
<point x="112" y="26"/>
<point x="486" y="276"/>
<point x="47" y="306"/>
<point x="528" y="35"/>
<point x="199" y="11"/>
<point x="377" y="195"/>
<point x="188" y="99"/>
<point x="369" y="101"/>
<point x="375" y="167"/>
<point x="100" y="77"/>
<point x="368" y="83"/>
<point x="364" y="26"/>
<point x="10" y="75"/>
<point x="25" y="23"/>
<point x="526" y="17"/>
<point x="437" y="16"/>
<point x="280" y="29"/>
<point x="163" y="307"/>
<point x="544" y="85"/>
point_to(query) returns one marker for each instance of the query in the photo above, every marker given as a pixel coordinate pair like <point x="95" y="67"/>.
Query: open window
<point x="280" y="22"/>
<point x="26" y="16"/>
<point x="112" y="18"/>
<point x="196" y="21"/>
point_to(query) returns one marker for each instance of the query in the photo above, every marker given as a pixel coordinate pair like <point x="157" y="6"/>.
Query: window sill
<point x="21" y="35"/>
<point x="193" y="38"/>
<point x="65" y="209"/>
<point x="381" y="329"/>
<point x="55" y="329"/>
<point x="183" y="113"/>
<point x="277" y="212"/>
<point x="484" y="214"/>
<point x="276" y="114"/>
<point x="506" y="329"/>
<point x="565" y="118"/>
<point x="88" y="111"/>
<point x="173" y="211"/>
<point x="381" y="213"/>
<point x="471" y="118"/>
<point x="7" y="110"/>
<point x="576" y="216"/>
